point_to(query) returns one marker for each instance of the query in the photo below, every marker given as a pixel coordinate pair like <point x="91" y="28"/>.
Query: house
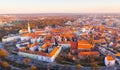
<point x="109" y="60"/>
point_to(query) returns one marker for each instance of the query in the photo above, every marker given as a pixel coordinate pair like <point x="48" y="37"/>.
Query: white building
<point x="109" y="61"/>
<point x="47" y="57"/>
<point x="10" y="38"/>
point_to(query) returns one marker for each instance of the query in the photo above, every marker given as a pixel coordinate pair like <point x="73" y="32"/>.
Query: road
<point x="106" y="50"/>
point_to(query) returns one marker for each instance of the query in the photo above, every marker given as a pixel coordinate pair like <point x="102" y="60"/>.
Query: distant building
<point x="10" y="38"/>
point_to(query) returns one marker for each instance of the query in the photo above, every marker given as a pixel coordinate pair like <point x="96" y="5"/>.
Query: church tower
<point x="29" y="30"/>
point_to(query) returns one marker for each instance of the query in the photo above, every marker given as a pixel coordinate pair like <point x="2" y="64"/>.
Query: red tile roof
<point x="84" y="44"/>
<point x="91" y="53"/>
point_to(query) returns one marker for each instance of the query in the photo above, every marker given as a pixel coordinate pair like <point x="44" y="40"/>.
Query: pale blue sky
<point x="59" y="6"/>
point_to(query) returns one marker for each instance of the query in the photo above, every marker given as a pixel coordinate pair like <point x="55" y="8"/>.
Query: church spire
<point x="29" y="30"/>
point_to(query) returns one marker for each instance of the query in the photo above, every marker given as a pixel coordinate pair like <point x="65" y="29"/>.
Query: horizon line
<point x="63" y="13"/>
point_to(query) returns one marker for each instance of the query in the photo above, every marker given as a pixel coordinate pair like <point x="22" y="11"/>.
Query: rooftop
<point x="84" y="44"/>
<point x="109" y="58"/>
<point x="90" y="53"/>
<point x="51" y="54"/>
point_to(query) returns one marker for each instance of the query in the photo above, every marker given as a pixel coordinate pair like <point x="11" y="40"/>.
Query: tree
<point x="3" y="53"/>
<point x="26" y="60"/>
<point x="4" y="64"/>
<point x="33" y="68"/>
<point x="94" y="66"/>
<point x="79" y="66"/>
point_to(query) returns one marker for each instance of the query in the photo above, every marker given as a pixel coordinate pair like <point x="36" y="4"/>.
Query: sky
<point x="59" y="6"/>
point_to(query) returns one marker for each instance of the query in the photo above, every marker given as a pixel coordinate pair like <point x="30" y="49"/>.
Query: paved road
<point x="106" y="50"/>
